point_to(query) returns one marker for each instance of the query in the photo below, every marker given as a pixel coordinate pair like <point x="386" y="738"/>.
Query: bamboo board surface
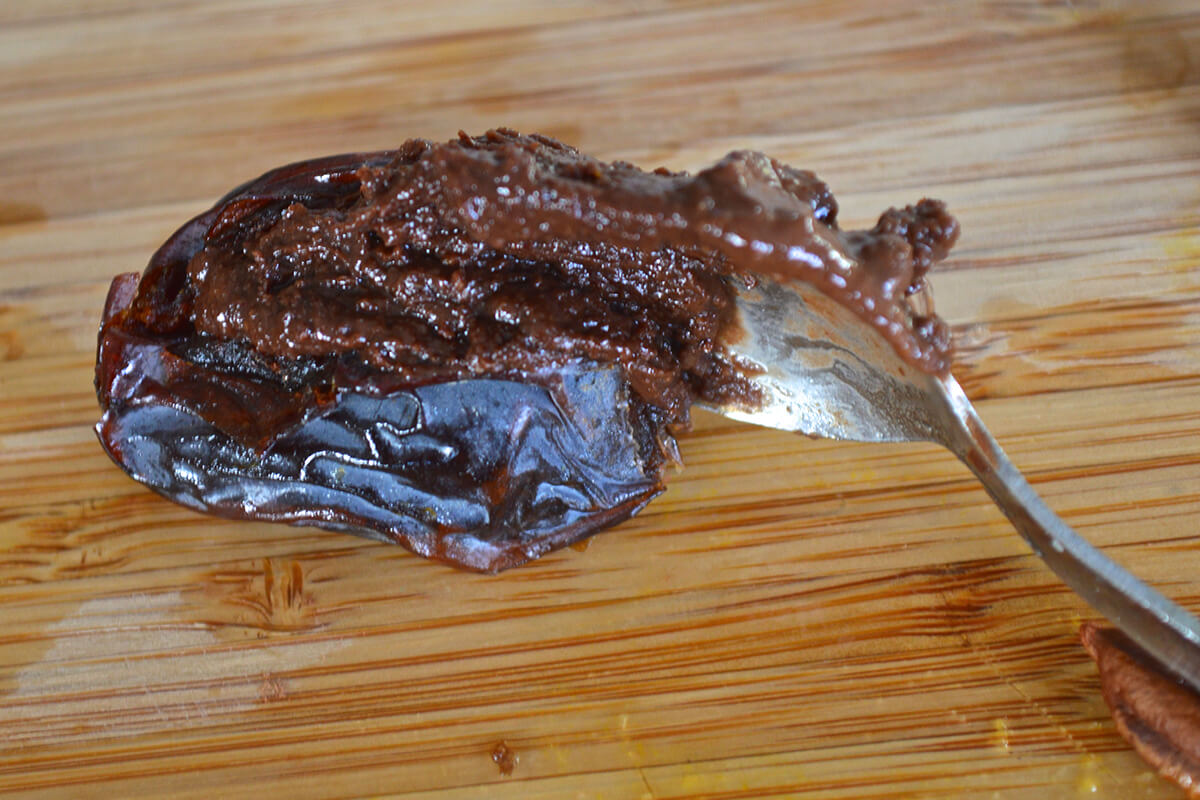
<point x="793" y="618"/>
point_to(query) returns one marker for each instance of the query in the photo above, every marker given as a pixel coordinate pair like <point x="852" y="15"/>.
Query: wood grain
<point x="793" y="618"/>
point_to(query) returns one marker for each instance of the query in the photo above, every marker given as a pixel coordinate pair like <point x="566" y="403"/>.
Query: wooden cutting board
<point x="793" y="618"/>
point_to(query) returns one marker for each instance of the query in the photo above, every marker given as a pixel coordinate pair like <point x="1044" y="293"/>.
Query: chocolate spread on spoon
<point x="506" y="254"/>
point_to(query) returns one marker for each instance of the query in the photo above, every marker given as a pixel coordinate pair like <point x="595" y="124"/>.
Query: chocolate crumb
<point x="505" y="757"/>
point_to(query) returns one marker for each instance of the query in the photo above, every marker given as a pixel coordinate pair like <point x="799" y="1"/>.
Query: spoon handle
<point x="1164" y="629"/>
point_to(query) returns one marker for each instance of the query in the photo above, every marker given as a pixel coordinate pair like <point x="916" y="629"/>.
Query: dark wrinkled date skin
<point x="481" y="473"/>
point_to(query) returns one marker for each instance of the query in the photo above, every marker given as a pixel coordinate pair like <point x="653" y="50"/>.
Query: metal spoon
<point x="828" y="374"/>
